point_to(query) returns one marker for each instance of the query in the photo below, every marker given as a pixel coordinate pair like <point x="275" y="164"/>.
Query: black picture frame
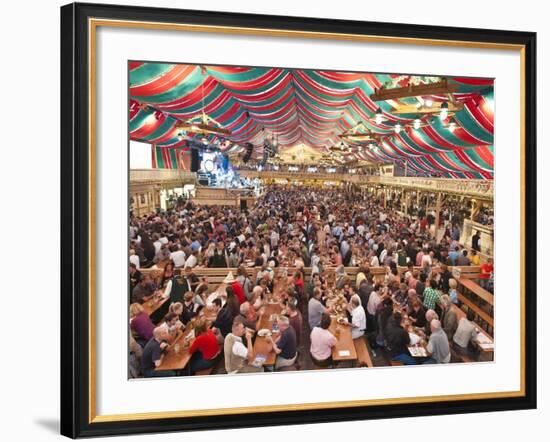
<point x="75" y="220"/>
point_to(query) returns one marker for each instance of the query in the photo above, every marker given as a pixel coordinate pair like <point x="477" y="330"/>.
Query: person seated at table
<point x="134" y="361"/>
<point x="256" y="299"/>
<point x="417" y="313"/>
<point x="266" y="282"/>
<point x="454" y="254"/>
<point x="204" y="349"/>
<point x="463" y="259"/>
<point x="348" y="289"/>
<point x="341" y="276"/>
<point x="284" y="345"/>
<point x="464" y="336"/>
<point x="322" y="342"/>
<point x="134" y="276"/>
<point x="314" y="281"/>
<point x="453" y="293"/>
<point x="238" y="356"/>
<point x="141" y="324"/>
<point x="295" y="318"/>
<point x="144" y="291"/>
<point x="402" y="294"/>
<point x="176" y="308"/>
<point x="248" y="315"/>
<point x="430" y="296"/>
<point x="316" y="309"/>
<point x="449" y="320"/>
<point x="358" y="317"/>
<point x="413" y="279"/>
<point x="189" y="307"/>
<point x="398" y="340"/>
<point x="173" y="326"/>
<point x="430" y="316"/>
<point x="167" y="274"/>
<point x="438" y="345"/>
<point x="153" y="353"/>
<point x="224" y="318"/>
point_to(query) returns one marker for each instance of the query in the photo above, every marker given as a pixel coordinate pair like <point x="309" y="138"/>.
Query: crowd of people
<point x="290" y="227"/>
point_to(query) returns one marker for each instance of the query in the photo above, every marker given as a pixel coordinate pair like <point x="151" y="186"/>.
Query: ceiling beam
<point x="439" y="88"/>
<point x="412" y="109"/>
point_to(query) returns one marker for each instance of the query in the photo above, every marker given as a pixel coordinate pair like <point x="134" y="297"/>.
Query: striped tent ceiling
<point x="313" y="108"/>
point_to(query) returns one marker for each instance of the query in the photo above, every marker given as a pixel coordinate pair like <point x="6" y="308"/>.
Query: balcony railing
<point x="475" y="188"/>
<point x="160" y="175"/>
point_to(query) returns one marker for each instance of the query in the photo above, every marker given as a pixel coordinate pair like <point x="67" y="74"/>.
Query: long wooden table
<point x="261" y="346"/>
<point x="151" y="306"/>
<point x="178" y="360"/>
<point x="344" y="342"/>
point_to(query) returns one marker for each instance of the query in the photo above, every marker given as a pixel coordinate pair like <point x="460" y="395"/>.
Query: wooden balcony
<point x="145" y="179"/>
<point x="482" y="189"/>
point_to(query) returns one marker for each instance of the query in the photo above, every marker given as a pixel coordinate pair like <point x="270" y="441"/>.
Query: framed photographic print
<point x="274" y="220"/>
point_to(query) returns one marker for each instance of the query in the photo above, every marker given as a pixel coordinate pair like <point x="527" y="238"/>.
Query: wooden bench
<point x="477" y="290"/>
<point x="476" y="309"/>
<point x="363" y="354"/>
<point x="460" y="357"/>
<point x="467" y="272"/>
<point x="204" y="372"/>
<point x="217" y="275"/>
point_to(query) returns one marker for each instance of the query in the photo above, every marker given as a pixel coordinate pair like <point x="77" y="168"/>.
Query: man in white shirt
<point x="238" y="356"/>
<point x="134" y="259"/>
<point x="374" y="301"/>
<point x="178" y="257"/>
<point x="157" y="245"/>
<point x="358" y="318"/>
<point x="191" y="261"/>
<point x="274" y="239"/>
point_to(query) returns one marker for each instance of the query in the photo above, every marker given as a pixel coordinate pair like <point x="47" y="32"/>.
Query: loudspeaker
<point x="195" y="160"/>
<point x="243" y="204"/>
